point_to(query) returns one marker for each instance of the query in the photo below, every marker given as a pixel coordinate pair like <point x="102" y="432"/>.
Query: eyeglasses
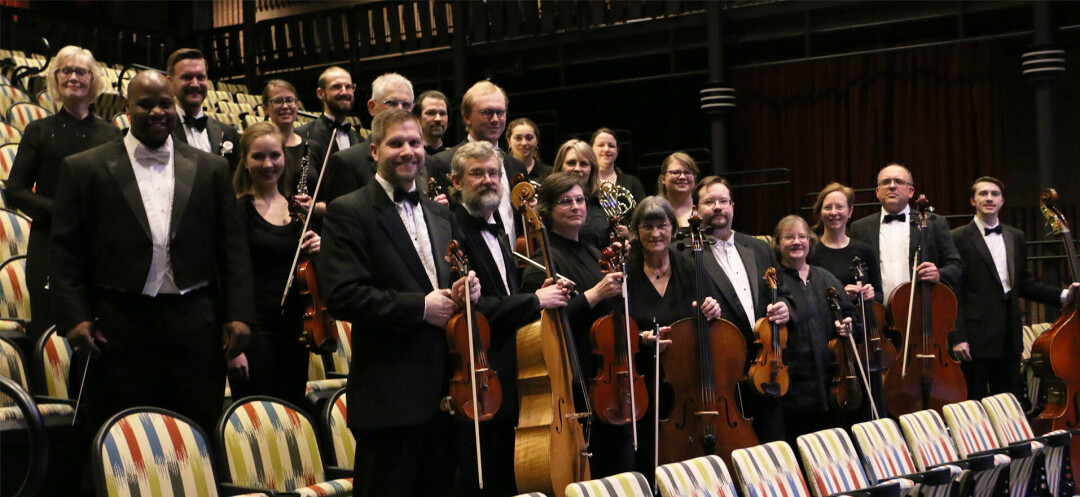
<point x="688" y="174"/>
<point x="481" y="174"/>
<point x="488" y="113"/>
<point x="654" y="227"/>
<point x="791" y="238"/>
<point x="889" y="181"/>
<point x="283" y="100"/>
<point x="570" y="201"/>
<point x="404" y="104"/>
<point x="78" y="71"/>
<point x="343" y="86"/>
<point x="723" y="202"/>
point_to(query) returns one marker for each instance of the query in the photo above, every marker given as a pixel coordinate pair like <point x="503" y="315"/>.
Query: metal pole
<point x="1043" y="61"/>
<point x="717" y="99"/>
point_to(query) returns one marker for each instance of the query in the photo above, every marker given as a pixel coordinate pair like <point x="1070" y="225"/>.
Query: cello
<point x="1054" y="353"/>
<point x="703" y="367"/>
<point x="550" y="446"/>
<point x="768" y="374"/>
<point x="928" y="377"/>
<point x="475" y="392"/>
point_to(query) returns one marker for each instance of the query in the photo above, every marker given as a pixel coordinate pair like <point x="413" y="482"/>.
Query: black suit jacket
<point x="351" y="169"/>
<point x="988" y="319"/>
<point x="101" y="236"/>
<point x="938" y="246"/>
<point x="371" y="275"/>
<point x="215" y="131"/>
<point x="318" y="132"/>
<point x="440" y="170"/>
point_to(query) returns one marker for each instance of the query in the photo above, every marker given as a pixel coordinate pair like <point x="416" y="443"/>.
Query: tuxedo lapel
<point x="184" y="167"/>
<point x="750" y="264"/>
<point x="979" y="242"/>
<point x="121" y="169"/>
<point x="179" y="134"/>
<point x="720" y="279"/>
<point x="1010" y="254"/>
<point x="398" y="235"/>
<point x="439" y="233"/>
<point x="214" y="134"/>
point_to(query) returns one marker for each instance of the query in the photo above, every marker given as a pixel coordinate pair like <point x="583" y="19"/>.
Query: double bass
<point x="768" y="375"/>
<point x="927" y="377"/>
<point x="1054" y="353"/>
<point x="703" y="367"/>
<point x="550" y="445"/>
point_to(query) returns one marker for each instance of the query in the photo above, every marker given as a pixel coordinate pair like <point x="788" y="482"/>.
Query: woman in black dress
<point x="524" y="139"/>
<point x="275" y="363"/>
<point x="806" y="406"/>
<point x="835" y="250"/>
<point x="676" y="184"/>
<point x="576" y="157"/>
<point x="561" y="202"/>
<point x="74" y="79"/>
<point x="280" y="104"/>
<point x="606" y="149"/>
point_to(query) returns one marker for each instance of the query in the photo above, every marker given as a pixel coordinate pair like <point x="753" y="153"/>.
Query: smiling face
<point x="987" y="199"/>
<point x="715" y="207"/>
<point x="337" y="96"/>
<point x="281" y="113"/>
<point x="606" y="149"/>
<point x="568" y="213"/>
<point x="265" y="161"/>
<point x="479" y="184"/>
<point x="395" y="96"/>
<point x="835" y="211"/>
<point x="151" y="109"/>
<point x="400" y="154"/>
<point x="74" y="80"/>
<point x="794" y="244"/>
<point x="678" y="179"/>
<point x="579" y="166"/>
<point x="487" y="118"/>
<point x="894" y="188"/>
<point x="523" y="141"/>
<point x="434" y="118"/>
<point x="654" y="236"/>
<point x="189" y="84"/>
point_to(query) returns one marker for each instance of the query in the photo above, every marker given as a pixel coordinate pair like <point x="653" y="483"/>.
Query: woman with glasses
<point x="835" y="250"/>
<point x="524" y="137"/>
<point x="676" y="184"/>
<point x="606" y="149"/>
<point x="806" y="406"/>
<point x="576" y="157"/>
<point x="75" y="80"/>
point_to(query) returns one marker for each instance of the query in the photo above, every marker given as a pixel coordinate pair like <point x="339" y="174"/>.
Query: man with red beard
<point x="382" y="267"/>
<point x="335" y="91"/>
<point x="432" y="109"/>
<point x="186" y="69"/>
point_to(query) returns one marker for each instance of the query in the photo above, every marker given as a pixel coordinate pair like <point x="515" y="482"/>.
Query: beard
<point x="482" y="200"/>
<point x="340" y="105"/>
<point x="717" y="222"/>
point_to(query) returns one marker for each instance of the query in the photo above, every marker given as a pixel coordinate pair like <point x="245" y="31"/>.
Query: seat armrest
<point x="1062" y="439"/>
<point x="1013" y="451"/>
<point x="338" y="473"/>
<point x="45" y="399"/>
<point x="231" y="489"/>
<point x="886" y="489"/>
<point x="974" y="463"/>
<point x="933" y="477"/>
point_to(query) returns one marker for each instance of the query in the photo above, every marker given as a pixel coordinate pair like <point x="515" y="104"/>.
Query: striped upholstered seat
<point x="7" y="157"/>
<point x="9" y="134"/>
<point x="271" y="445"/>
<point x="931" y="446"/>
<point x="834" y="467"/>
<point x="148" y="451"/>
<point x="122" y="121"/>
<point x="14" y="234"/>
<point x="887" y="457"/>
<point x="21" y="114"/>
<point x="973" y="433"/>
<point x="53" y="357"/>
<point x="632" y="484"/>
<point x="532" y="494"/>
<point x="337" y="433"/>
<point x="1033" y="382"/>
<point x="13" y="366"/>
<point x="769" y="470"/>
<point x="14" y="299"/>
<point x="699" y="476"/>
<point x="1011" y="427"/>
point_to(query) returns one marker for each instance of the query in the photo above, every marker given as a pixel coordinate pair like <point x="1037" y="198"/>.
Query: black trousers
<point x="991" y="376"/>
<point x="37" y="277"/>
<point x="497" y="452"/>
<point x="404" y="461"/>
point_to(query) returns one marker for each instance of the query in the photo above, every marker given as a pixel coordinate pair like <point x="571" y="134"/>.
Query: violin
<point x="434" y="189"/>
<point x="550" y="446"/>
<point x="928" y="377"/>
<point x="475" y="392"/>
<point x="1054" y="353"/>
<point x="524" y="244"/>
<point x="880" y="349"/>
<point x="617" y="392"/>
<point x="845" y="392"/>
<point x="703" y="367"/>
<point x="768" y="374"/>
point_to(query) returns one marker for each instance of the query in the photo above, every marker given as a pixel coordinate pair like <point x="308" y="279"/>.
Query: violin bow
<point x="307" y="220"/>
<point x="859" y="271"/>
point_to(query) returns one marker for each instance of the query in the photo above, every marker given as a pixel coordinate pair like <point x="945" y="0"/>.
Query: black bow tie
<point x="343" y="127"/>
<point x="995" y="229"/>
<point x="197" y="123"/>
<point x="492" y="228"/>
<point x="413" y="197"/>
<point x="894" y="217"/>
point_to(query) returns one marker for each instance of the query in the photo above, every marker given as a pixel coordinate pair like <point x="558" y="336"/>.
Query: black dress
<point x="632" y="183"/>
<point x="31" y="187"/>
<point x="839" y="263"/>
<point x="595" y="233"/>
<point x="277" y="361"/>
<point x="539" y="171"/>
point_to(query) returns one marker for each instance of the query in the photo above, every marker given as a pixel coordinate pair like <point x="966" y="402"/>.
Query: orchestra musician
<point x="280" y="104"/>
<point x="475" y="172"/>
<point x="606" y="149"/>
<point x="186" y="68"/>
<point x="736" y="264"/>
<point x="523" y="136"/>
<point x="432" y="109"/>
<point x="576" y="157"/>
<point x="336" y="92"/>
<point x="381" y="268"/>
<point x="275" y="362"/>
<point x="73" y="79"/>
<point x="806" y="405"/>
<point x="989" y="338"/>
<point x="676" y="184"/>
<point x="562" y="203"/>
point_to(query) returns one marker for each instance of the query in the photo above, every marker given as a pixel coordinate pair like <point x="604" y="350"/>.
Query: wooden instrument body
<point x="610" y="389"/>
<point x="682" y="434"/>
<point x="845" y="390"/>
<point x="768" y="367"/>
<point x="318" y="333"/>
<point x="488" y="388"/>
<point x="933" y="377"/>
<point x="549" y="441"/>
<point x="880" y="345"/>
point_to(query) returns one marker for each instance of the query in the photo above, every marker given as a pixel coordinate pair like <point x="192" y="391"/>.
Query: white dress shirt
<point x="506" y="211"/>
<point x="894" y="242"/>
<point x="342" y="138"/>
<point x="493" y="246"/>
<point x="195" y="138"/>
<point x="154" y="174"/>
<point x="727" y="255"/>
<point x="996" y="243"/>
<point x="413" y="218"/>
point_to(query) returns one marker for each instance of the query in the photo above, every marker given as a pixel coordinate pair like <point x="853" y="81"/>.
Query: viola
<point x="550" y="451"/>
<point x="618" y="393"/>
<point x="524" y="244"/>
<point x="928" y="377"/>
<point x="880" y="349"/>
<point x="318" y="335"/>
<point x="768" y="374"/>
<point x="475" y="392"/>
<point x="1054" y="352"/>
<point x="703" y="367"/>
<point x="845" y="392"/>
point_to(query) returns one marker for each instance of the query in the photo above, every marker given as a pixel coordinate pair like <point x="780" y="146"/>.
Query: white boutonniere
<point x="226" y="147"/>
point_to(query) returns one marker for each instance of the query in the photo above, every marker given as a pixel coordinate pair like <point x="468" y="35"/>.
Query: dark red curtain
<point x="935" y="110"/>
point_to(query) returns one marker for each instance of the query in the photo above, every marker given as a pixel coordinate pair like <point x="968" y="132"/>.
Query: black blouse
<point x="839" y="263"/>
<point x="647" y="304"/>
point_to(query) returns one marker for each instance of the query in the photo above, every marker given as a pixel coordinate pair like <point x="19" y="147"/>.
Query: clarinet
<point x="301" y="185"/>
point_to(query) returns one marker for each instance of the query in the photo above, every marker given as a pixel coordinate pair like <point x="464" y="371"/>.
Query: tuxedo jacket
<point x="351" y="169"/>
<point x="505" y="313"/>
<point x="215" y="130"/>
<point x="370" y="275"/>
<point x="102" y="240"/>
<point x="440" y="167"/>
<point x="988" y="319"/>
<point x="318" y="131"/>
<point x="938" y="246"/>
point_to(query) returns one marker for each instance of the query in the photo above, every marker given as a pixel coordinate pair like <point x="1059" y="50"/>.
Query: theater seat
<point x="1032" y="381"/>
<point x="973" y="433"/>
<point x="833" y="466"/>
<point x="121" y="121"/>
<point x="632" y="484"/>
<point x="14" y="234"/>
<point x="931" y="446"/>
<point x="14" y="298"/>
<point x="271" y="445"/>
<point x="21" y="114"/>
<point x="52" y="356"/>
<point x="887" y="457"/>
<point x="336" y="433"/>
<point x="9" y="135"/>
<point x="1012" y="427"/>
<point x="699" y="476"/>
<point x="55" y="412"/>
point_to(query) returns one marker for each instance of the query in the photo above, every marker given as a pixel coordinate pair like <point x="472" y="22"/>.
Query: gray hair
<point x="652" y="208"/>
<point x="478" y="150"/>
<point x="378" y="87"/>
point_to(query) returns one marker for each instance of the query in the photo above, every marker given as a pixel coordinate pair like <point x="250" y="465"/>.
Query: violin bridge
<point x="577" y="415"/>
<point x="707" y="413"/>
<point x="926" y="356"/>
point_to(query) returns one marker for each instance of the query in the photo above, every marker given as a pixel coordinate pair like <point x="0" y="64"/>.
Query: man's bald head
<point x="151" y="109"/>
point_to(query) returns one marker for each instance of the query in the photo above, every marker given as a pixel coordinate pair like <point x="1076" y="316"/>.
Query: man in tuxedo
<point x="894" y="237"/>
<point x="432" y="109"/>
<point x="153" y="276"/>
<point x="382" y="267"/>
<point x="476" y="170"/>
<point x="336" y="92"/>
<point x="989" y="335"/>
<point x="736" y="264"/>
<point x="186" y="68"/>
<point x="483" y="110"/>
<point x="351" y="169"/>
